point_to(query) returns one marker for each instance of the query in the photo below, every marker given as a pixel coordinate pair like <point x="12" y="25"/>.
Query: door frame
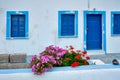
<point x="103" y="28"/>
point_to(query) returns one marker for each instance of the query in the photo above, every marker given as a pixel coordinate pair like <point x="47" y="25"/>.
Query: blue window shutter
<point x="67" y="24"/>
<point x="21" y="26"/>
<point x="116" y="23"/>
<point x="17" y="25"/>
<point x="14" y="26"/>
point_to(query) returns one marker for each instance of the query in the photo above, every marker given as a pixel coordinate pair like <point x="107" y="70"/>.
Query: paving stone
<point x="18" y="58"/>
<point x="4" y="58"/>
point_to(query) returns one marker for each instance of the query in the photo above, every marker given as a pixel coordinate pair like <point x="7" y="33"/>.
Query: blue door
<point x="94" y="31"/>
<point x="17" y="25"/>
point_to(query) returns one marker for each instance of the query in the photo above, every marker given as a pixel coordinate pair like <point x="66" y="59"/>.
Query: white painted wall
<point x="43" y="24"/>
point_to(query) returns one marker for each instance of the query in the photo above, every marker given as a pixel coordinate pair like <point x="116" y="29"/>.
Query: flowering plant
<point x="75" y="58"/>
<point x="56" y="56"/>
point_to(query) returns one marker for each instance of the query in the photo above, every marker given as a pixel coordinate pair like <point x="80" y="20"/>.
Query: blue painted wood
<point x="94" y="31"/>
<point x="14" y="26"/>
<point x="21" y="26"/>
<point x="67" y="24"/>
<point x="9" y="23"/>
<point x="17" y="25"/>
<point x="116" y="24"/>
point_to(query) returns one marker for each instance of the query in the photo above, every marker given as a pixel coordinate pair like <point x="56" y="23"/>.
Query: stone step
<point x="106" y="58"/>
<point x="4" y="58"/>
<point x="13" y="65"/>
<point x="14" y="61"/>
<point x="17" y="58"/>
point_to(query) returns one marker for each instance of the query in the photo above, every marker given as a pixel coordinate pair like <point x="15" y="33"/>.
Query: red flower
<point x="67" y="59"/>
<point x="88" y="57"/>
<point x="78" y="57"/>
<point x="85" y="62"/>
<point x="74" y="64"/>
<point x="84" y="52"/>
<point x="78" y="51"/>
<point x="83" y="55"/>
<point x="71" y="48"/>
<point x="73" y="52"/>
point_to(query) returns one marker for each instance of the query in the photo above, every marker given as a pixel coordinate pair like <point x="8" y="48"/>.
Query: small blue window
<point x="115" y="23"/>
<point x="17" y="25"/>
<point x="67" y="23"/>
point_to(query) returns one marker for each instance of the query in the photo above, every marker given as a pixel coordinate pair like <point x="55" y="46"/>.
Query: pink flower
<point x="44" y="59"/>
<point x="33" y="68"/>
<point x="45" y="69"/>
<point x="33" y="58"/>
<point x="52" y="59"/>
<point x="38" y="64"/>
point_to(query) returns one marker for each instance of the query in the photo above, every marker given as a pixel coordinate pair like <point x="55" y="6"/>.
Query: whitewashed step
<point x="95" y="52"/>
<point x="98" y="62"/>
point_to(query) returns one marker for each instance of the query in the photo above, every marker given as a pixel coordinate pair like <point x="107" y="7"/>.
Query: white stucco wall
<point x="43" y="24"/>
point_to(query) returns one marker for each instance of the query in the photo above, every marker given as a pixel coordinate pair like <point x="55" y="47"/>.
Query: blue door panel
<point x="116" y="29"/>
<point x="94" y="32"/>
<point x="67" y="24"/>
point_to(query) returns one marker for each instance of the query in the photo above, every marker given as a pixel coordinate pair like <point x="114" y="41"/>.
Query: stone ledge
<point x="4" y="58"/>
<point x="18" y="58"/>
<point x="14" y="65"/>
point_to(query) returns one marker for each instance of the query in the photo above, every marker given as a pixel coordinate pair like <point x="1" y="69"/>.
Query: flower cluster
<point x="56" y="56"/>
<point x="75" y="58"/>
<point x="51" y="56"/>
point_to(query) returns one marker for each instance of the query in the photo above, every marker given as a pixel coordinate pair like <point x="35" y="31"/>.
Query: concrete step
<point x="95" y="52"/>
<point x="17" y="58"/>
<point x="4" y="58"/>
<point x="13" y="65"/>
<point x="14" y="61"/>
<point x="106" y="58"/>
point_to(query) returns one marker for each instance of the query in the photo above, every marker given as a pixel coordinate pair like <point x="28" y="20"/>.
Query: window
<point x="17" y="25"/>
<point x="67" y="23"/>
<point x="115" y="23"/>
